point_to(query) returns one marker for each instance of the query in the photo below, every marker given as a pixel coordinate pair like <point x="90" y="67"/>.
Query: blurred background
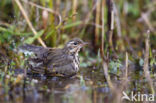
<point x="116" y="30"/>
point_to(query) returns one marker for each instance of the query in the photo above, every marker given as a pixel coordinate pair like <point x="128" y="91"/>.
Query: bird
<point x="64" y="61"/>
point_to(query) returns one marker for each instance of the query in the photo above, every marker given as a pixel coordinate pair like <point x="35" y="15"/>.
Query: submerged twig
<point x="107" y="76"/>
<point x="124" y="82"/>
<point x="28" y="22"/>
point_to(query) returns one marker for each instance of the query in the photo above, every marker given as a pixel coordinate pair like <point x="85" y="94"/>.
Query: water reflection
<point x="50" y="89"/>
<point x="41" y="89"/>
<point x="89" y="87"/>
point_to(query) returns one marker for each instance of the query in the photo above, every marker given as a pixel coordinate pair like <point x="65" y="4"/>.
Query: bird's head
<point x="74" y="45"/>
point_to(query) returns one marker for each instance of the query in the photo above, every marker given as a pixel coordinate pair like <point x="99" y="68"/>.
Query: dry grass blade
<point x="46" y="9"/>
<point x="28" y="22"/>
<point x="74" y="11"/>
<point x="126" y="62"/>
<point x="146" y="62"/>
<point x="97" y="21"/>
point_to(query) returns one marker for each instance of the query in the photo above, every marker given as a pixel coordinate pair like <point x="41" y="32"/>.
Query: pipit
<point x="64" y="61"/>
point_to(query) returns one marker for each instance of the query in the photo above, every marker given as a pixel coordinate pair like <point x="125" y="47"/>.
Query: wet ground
<point x="87" y="87"/>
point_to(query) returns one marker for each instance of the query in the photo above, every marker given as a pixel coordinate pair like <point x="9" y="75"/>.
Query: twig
<point x="104" y="60"/>
<point x="110" y="23"/>
<point x="107" y="76"/>
<point x="103" y="30"/>
<point x="87" y="18"/>
<point x="126" y="62"/>
<point x="146" y="19"/>
<point x="117" y="20"/>
<point x="28" y="22"/>
<point x="146" y="63"/>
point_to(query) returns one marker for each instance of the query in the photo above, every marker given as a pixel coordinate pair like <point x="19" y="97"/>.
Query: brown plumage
<point x="61" y="60"/>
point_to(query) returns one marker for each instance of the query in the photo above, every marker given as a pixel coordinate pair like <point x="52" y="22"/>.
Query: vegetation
<point x="121" y="55"/>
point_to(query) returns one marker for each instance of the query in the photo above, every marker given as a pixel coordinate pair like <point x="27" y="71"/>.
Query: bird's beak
<point x="84" y="43"/>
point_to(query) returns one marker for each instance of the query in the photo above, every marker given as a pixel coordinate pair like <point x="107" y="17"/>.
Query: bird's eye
<point x="75" y="43"/>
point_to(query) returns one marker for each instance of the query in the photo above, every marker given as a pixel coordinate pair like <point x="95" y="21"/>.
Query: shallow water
<point x="86" y="87"/>
<point x="83" y="88"/>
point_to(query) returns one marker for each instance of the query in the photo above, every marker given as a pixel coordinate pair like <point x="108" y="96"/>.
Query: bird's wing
<point x="58" y="58"/>
<point x="32" y="48"/>
<point x="62" y="64"/>
<point x="52" y="57"/>
<point x="41" y="52"/>
<point x="38" y="50"/>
